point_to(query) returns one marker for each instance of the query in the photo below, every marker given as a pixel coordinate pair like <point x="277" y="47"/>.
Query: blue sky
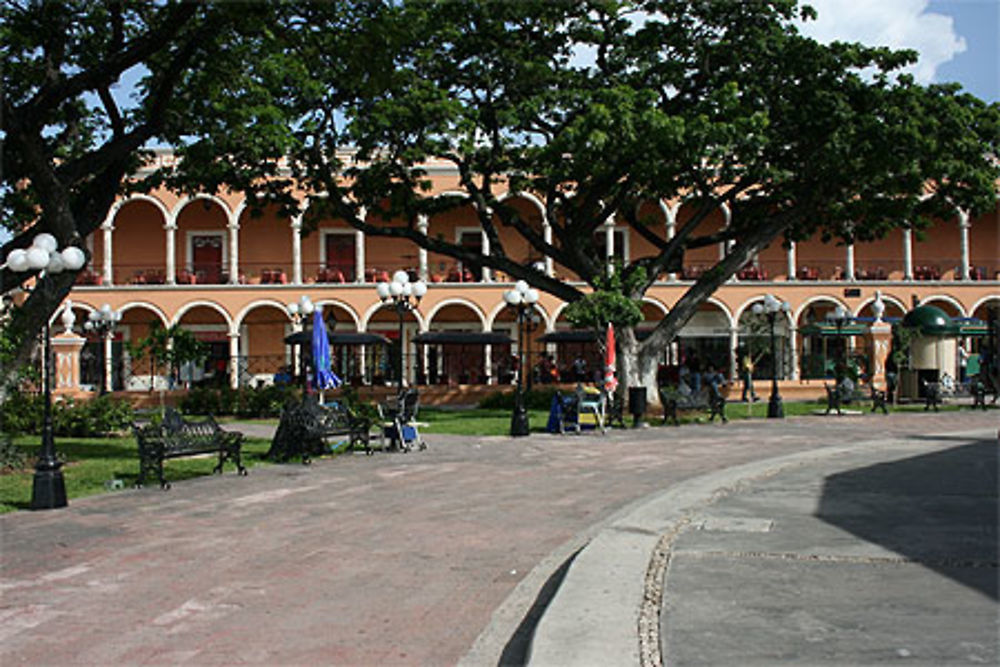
<point x="958" y="40"/>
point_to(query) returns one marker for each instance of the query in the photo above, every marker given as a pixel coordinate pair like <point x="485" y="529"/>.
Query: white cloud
<point x="900" y="24"/>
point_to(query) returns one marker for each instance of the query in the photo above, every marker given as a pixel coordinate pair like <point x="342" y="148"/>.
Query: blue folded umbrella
<point x="324" y="377"/>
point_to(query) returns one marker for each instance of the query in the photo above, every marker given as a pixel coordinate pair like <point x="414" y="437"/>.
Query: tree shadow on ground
<point x="939" y="510"/>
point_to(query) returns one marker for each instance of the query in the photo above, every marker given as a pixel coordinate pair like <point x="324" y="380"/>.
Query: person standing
<point x="746" y="373"/>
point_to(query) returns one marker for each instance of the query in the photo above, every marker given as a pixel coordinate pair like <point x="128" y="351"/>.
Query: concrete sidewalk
<point x="429" y="558"/>
<point x="859" y="554"/>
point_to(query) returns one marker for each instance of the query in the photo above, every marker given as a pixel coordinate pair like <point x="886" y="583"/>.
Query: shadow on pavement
<point x="939" y="510"/>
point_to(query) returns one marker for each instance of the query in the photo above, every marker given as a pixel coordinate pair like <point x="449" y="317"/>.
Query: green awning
<point x="824" y="329"/>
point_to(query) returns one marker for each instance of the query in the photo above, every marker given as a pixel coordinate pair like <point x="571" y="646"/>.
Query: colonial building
<point x="207" y="263"/>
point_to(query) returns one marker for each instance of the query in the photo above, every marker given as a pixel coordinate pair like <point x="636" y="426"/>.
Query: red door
<point x="206" y="258"/>
<point x="340" y="257"/>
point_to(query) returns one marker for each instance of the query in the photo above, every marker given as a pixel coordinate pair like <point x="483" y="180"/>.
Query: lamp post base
<point x="775" y="409"/>
<point x="519" y="420"/>
<point x="48" y="492"/>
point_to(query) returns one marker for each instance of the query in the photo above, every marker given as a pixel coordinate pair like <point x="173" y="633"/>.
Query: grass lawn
<point x="90" y="462"/>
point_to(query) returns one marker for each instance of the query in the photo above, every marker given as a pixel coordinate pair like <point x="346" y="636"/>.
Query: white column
<point x="793" y="342"/>
<point x="108" y="365"/>
<point x="108" y="268"/>
<point x="907" y="253"/>
<point x="734" y="344"/>
<point x="297" y="250"/>
<point x="850" y="262"/>
<point x="359" y="249"/>
<point x="234" y="252"/>
<point x="359" y="256"/>
<point x="790" y="256"/>
<point x="487" y="276"/>
<point x="171" y="228"/>
<point x="963" y="230"/>
<point x="423" y="224"/>
<point x="488" y="363"/>
<point x="671" y="232"/>
<point x="234" y="359"/>
<point x="609" y="243"/>
<point x="547" y="235"/>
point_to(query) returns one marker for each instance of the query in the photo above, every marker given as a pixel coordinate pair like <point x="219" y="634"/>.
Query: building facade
<point x="209" y="264"/>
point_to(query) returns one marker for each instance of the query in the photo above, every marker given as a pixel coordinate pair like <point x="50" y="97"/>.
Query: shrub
<point x="244" y="402"/>
<point x="101" y="416"/>
<point x="535" y="399"/>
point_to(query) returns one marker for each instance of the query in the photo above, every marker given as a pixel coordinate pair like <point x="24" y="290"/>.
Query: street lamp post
<point x="300" y="312"/>
<point x="770" y="309"/>
<point x="403" y="297"/>
<point x="838" y="317"/>
<point x="102" y="323"/>
<point x="523" y="299"/>
<point x="48" y="489"/>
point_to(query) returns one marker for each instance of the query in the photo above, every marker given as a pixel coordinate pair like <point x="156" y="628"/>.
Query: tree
<point x="714" y="103"/>
<point x="169" y="347"/>
<point x="219" y="83"/>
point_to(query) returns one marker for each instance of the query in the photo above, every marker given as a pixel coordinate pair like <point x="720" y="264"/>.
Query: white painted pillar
<point x="793" y="342"/>
<point x="234" y="252"/>
<point x="907" y="253"/>
<point x="423" y="224"/>
<point x="609" y="244"/>
<point x="849" y="271"/>
<point x="671" y="232"/>
<point x="547" y="235"/>
<point x="296" y="227"/>
<point x="792" y="267"/>
<point x="487" y="276"/>
<point x="108" y="268"/>
<point x="234" y="359"/>
<point x="171" y="229"/>
<point x="359" y="249"/>
<point x="734" y="344"/>
<point x="488" y="363"/>
<point x="963" y="230"/>
<point x="108" y="365"/>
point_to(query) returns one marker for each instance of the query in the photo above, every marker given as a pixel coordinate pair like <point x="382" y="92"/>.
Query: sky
<point x="958" y="40"/>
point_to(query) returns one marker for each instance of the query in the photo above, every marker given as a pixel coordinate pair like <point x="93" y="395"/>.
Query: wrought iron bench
<point x="175" y="437"/>
<point x="878" y="400"/>
<point x="932" y="395"/>
<point x="673" y="400"/>
<point x="305" y="426"/>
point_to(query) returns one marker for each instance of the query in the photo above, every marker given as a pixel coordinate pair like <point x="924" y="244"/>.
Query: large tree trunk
<point x="637" y="366"/>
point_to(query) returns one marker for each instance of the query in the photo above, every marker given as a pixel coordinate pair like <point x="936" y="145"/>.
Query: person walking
<point x="746" y="373"/>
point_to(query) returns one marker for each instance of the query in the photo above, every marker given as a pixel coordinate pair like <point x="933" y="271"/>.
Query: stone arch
<point x="342" y="306"/>
<point x="183" y="203"/>
<point x="891" y="304"/>
<point x="368" y="317"/>
<point x="952" y="302"/>
<point x="457" y="301"/>
<point x="500" y="308"/>
<point x="984" y="303"/>
<point x="204" y="303"/>
<point x="819" y="298"/>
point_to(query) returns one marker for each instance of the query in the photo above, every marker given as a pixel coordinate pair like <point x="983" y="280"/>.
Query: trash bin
<point x="637" y="405"/>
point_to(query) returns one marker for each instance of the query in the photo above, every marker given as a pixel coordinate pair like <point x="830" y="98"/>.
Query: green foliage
<point x="12" y="457"/>
<point x="899" y="351"/>
<point x="534" y="399"/>
<point x="246" y="402"/>
<point x="97" y="417"/>
<point x="611" y="301"/>
<point x="171" y="347"/>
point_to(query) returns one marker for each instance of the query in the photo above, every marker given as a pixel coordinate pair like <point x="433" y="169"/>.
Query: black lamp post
<point x="102" y="323"/>
<point x="523" y="299"/>
<point x="48" y="489"/>
<point x="403" y="297"/>
<point x="770" y="309"/>
<point x="838" y="317"/>
<point x="300" y="312"/>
